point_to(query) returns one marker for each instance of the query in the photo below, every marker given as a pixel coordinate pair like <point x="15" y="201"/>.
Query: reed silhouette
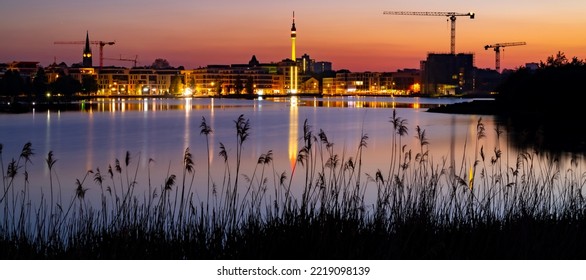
<point x="420" y="209"/>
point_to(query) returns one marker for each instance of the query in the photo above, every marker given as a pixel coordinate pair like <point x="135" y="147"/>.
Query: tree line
<point x="37" y="87"/>
<point x="14" y="85"/>
<point x="554" y="86"/>
<point x="544" y="105"/>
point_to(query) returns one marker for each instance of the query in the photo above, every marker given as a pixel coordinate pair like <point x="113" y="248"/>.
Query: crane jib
<point x="451" y="15"/>
<point x="444" y="14"/>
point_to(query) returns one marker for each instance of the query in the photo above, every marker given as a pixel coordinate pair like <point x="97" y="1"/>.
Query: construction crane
<point x="135" y="59"/>
<point x="497" y="50"/>
<point x="99" y="43"/>
<point x="451" y="16"/>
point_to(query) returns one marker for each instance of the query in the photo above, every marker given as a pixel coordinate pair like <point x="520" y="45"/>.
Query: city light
<point x="416" y="87"/>
<point x="291" y="76"/>
<point x="187" y="92"/>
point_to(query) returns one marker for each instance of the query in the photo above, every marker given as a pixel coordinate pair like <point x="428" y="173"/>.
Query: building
<point x="321" y="67"/>
<point x="251" y="78"/>
<point x="137" y="81"/>
<point x="403" y="82"/>
<point x="310" y="86"/>
<point x="406" y="81"/>
<point x="328" y="85"/>
<point x="447" y="74"/>
<point x="26" y="69"/>
<point x="305" y="64"/>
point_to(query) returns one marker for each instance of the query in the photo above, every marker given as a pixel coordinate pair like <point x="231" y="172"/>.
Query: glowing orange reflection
<point x="293" y="131"/>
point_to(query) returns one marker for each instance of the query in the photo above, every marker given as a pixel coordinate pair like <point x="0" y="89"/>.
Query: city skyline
<point x="351" y="35"/>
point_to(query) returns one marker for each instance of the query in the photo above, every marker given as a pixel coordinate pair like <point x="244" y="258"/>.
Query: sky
<point x="353" y="35"/>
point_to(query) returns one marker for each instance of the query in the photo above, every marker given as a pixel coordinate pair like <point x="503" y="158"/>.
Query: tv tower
<point x="293" y="70"/>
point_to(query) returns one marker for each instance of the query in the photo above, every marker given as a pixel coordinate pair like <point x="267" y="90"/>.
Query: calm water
<point x="162" y="129"/>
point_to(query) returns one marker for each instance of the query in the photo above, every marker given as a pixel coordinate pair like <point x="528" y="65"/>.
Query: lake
<point x="157" y="132"/>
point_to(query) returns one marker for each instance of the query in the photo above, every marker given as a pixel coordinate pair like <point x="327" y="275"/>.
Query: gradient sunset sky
<point x="352" y="34"/>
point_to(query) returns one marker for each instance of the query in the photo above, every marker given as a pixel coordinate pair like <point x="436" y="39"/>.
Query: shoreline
<point x="477" y="107"/>
<point x="25" y="105"/>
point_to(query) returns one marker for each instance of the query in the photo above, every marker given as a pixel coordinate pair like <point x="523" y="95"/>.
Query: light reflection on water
<point x="162" y="129"/>
<point x="148" y="104"/>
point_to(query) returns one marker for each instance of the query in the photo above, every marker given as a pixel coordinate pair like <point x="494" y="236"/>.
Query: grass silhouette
<point x="421" y="209"/>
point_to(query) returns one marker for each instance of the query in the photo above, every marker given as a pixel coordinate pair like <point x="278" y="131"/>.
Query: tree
<point x="546" y="89"/>
<point x="12" y="84"/>
<point x="560" y="60"/>
<point x="557" y="61"/>
<point x="40" y="83"/>
<point x="219" y="88"/>
<point x="249" y="86"/>
<point x="543" y="106"/>
<point x="66" y="85"/>
<point x="161" y="63"/>
<point x="238" y="87"/>
<point x="176" y="85"/>
<point x="89" y="84"/>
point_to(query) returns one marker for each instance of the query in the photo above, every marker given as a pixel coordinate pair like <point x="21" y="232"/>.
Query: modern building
<point x="251" y="78"/>
<point x="322" y="66"/>
<point x="305" y="63"/>
<point x="447" y="74"/>
<point x="403" y="82"/>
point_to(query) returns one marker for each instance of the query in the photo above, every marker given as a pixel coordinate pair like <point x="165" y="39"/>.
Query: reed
<point x="421" y="209"/>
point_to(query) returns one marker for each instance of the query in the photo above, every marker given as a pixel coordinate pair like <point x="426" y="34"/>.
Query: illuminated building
<point x="259" y="78"/>
<point x="328" y="85"/>
<point x="136" y="81"/>
<point x="310" y="85"/>
<point x="402" y="82"/>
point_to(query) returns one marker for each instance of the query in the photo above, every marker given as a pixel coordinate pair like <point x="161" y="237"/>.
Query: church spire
<point x="87" y="52"/>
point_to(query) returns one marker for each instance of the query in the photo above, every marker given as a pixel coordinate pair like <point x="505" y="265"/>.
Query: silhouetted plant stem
<point x="425" y="201"/>
<point x="187" y="168"/>
<point x="242" y="133"/>
<point x="207" y="130"/>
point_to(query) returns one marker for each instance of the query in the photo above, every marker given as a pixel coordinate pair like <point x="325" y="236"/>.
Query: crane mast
<point x="497" y="50"/>
<point x="450" y="15"/>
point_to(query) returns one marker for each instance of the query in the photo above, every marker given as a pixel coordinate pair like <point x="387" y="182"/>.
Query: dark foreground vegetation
<point x="542" y="105"/>
<point x="477" y="207"/>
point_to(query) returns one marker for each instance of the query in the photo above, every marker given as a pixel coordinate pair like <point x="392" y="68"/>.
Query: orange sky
<point x="353" y="35"/>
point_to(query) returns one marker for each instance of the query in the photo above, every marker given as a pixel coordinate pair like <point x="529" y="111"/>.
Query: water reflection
<point x="187" y="131"/>
<point x="88" y="139"/>
<point x="358" y="103"/>
<point x="548" y="134"/>
<point x="147" y="104"/>
<point x="293" y="131"/>
<point x="163" y="104"/>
